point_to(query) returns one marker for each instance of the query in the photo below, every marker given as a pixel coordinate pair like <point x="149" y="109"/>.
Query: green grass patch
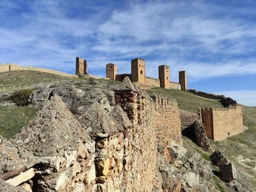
<point x="187" y="101"/>
<point x="217" y="184"/>
<point x="12" y="119"/>
<point x="204" y="155"/>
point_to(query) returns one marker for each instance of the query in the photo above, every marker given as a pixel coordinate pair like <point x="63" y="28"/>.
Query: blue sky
<point x="214" y="41"/>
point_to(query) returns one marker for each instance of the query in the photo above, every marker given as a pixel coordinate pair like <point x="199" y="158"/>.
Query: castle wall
<point x="156" y="124"/>
<point x="207" y="119"/>
<point x="174" y="85"/>
<point x="222" y="123"/>
<point x="14" y="67"/>
<point x="120" y="77"/>
<point x="152" y="82"/>
<point x="4" y="68"/>
<point x="227" y="122"/>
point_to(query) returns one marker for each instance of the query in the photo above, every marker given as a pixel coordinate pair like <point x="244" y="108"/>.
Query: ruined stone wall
<point x="223" y="122"/>
<point x="167" y="122"/>
<point x="152" y="82"/>
<point x="207" y="119"/>
<point x="156" y="124"/>
<point x="227" y="122"/>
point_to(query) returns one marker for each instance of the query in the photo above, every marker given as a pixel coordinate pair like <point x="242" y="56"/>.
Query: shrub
<point x="20" y="97"/>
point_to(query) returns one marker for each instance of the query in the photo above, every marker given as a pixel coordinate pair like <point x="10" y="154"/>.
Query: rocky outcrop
<point x="201" y="137"/>
<point x="92" y="137"/>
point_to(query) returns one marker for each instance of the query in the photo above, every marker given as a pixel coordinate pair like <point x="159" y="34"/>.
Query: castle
<point x="138" y="74"/>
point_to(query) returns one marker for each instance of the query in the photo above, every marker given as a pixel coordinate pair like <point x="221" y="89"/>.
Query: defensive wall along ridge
<point x="15" y="67"/>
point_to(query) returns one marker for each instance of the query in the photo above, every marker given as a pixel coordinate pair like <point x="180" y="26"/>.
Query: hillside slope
<point x="242" y="152"/>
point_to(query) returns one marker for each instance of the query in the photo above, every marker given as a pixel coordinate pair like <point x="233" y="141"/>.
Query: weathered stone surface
<point x="52" y="125"/>
<point x="201" y="136"/>
<point x="6" y="187"/>
<point x="22" y="177"/>
<point x="218" y="159"/>
<point x="228" y="172"/>
<point x="97" y="120"/>
<point x="176" y="152"/>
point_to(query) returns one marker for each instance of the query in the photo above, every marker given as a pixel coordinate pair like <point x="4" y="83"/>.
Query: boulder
<point x="218" y="159"/>
<point x="201" y="137"/>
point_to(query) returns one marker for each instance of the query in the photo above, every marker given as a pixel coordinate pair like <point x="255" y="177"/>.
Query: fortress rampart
<point x="221" y="123"/>
<point x="15" y="67"/>
<point x="138" y="75"/>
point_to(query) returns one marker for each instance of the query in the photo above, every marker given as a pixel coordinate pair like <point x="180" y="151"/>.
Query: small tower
<point x="81" y="66"/>
<point x="138" y="70"/>
<point x="164" y="76"/>
<point x="111" y="71"/>
<point x="183" y="80"/>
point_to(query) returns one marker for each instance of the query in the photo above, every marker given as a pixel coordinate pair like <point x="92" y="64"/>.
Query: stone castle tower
<point x="164" y="76"/>
<point x="111" y="71"/>
<point x="183" y="80"/>
<point x="81" y="66"/>
<point x="138" y="70"/>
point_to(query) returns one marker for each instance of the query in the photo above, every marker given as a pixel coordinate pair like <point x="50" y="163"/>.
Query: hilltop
<point x="242" y="152"/>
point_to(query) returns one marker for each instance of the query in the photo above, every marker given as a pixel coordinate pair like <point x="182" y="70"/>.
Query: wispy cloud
<point x="209" y="39"/>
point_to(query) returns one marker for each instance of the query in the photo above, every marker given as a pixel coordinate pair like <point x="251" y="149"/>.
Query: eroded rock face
<point x="112" y="141"/>
<point x="201" y="137"/>
<point x="51" y="126"/>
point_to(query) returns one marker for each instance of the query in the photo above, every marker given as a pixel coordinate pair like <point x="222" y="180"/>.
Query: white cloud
<point x="199" y="37"/>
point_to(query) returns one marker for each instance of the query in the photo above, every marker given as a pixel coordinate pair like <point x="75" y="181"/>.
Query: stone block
<point x="228" y="172"/>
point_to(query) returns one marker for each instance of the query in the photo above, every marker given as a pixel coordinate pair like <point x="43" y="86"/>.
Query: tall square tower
<point x="111" y="71"/>
<point x="164" y="76"/>
<point x="81" y="66"/>
<point x="183" y="80"/>
<point x="138" y="70"/>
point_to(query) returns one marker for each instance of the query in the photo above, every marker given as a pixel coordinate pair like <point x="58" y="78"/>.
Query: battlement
<point x="139" y="107"/>
<point x="221" y="123"/>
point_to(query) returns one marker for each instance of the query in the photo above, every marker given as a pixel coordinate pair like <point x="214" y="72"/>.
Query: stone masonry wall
<point x="174" y="85"/>
<point x="156" y="124"/>
<point x="227" y="122"/>
<point x="222" y="123"/>
<point x="4" y="68"/>
<point x="206" y="115"/>
<point x="152" y="82"/>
